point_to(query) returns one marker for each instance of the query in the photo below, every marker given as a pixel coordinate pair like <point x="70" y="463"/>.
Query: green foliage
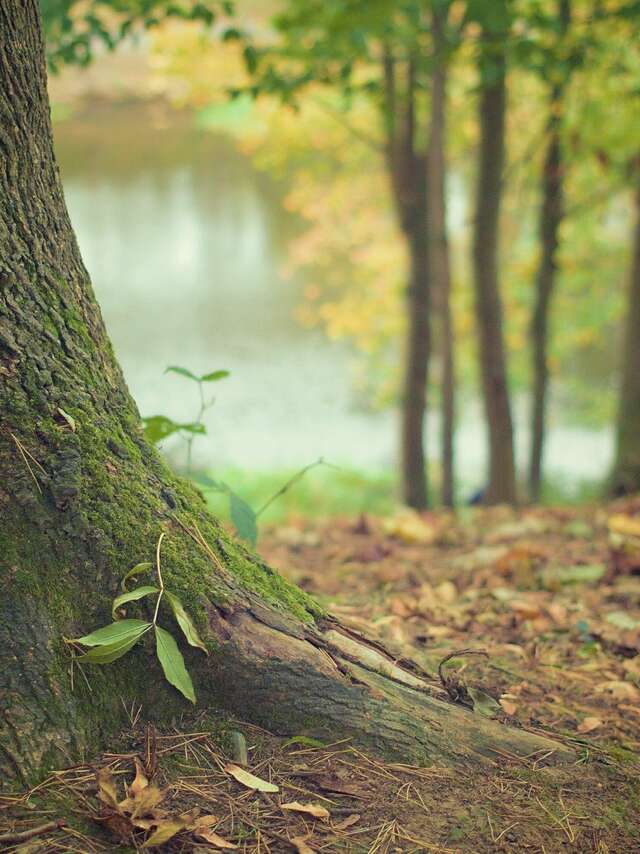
<point x="73" y="28"/>
<point x="159" y="427"/>
<point x="111" y="642"/>
<point x="172" y="664"/>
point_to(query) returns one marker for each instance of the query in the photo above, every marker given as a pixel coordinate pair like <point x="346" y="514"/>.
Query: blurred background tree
<point x="378" y="125"/>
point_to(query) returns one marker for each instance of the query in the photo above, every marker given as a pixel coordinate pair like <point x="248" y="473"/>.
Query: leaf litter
<point x="551" y="597"/>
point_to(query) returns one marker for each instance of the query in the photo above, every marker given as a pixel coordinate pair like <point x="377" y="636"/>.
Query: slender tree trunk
<point x="408" y="181"/>
<point x="440" y="274"/>
<point x="551" y="214"/>
<point x="502" y="483"/>
<point x="626" y="472"/>
<point x="83" y="498"/>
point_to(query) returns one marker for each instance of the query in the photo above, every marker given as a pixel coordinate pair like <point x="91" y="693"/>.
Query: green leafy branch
<point x="111" y="642"/>
<point x="159" y="427"/>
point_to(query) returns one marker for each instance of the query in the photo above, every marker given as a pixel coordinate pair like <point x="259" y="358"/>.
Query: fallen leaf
<point x="525" y="610"/>
<point x="107" y="792"/>
<point x="626" y="526"/>
<point x="622" y="620"/>
<point x="589" y="724"/>
<point x="301" y="844"/>
<point x="166" y="830"/>
<point x="620" y="690"/>
<point x="202" y="832"/>
<point x="446" y="592"/>
<point x="313" y="809"/>
<point x="508" y="707"/>
<point x="408" y="526"/>
<point x="141" y="782"/>
<point x="249" y="780"/>
<point x="483" y="703"/>
<point x="347" y="822"/>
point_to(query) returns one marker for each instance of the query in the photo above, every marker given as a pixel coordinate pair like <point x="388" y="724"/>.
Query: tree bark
<point x="83" y="498"/>
<point x="407" y="169"/>
<point x="551" y="215"/>
<point x="440" y="274"/>
<point x="501" y="485"/>
<point x="626" y="470"/>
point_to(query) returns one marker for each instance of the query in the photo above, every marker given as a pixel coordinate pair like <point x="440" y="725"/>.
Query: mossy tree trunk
<point x="82" y="501"/>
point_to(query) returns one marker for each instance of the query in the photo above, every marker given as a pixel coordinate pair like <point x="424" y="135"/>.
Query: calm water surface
<point x="184" y="242"/>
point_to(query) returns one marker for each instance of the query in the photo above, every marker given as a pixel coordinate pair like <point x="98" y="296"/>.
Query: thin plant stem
<point x="160" y="581"/>
<point x="287" y="486"/>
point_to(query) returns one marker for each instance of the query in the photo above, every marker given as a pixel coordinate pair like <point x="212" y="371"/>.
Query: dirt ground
<point x="548" y="599"/>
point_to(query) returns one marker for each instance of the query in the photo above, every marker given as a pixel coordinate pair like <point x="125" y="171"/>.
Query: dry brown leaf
<point x="141" y="782"/>
<point x="347" y="822"/>
<point x="620" y="690"/>
<point x="525" y="610"/>
<point x="206" y="821"/>
<point x="249" y="780"/>
<point x="312" y="809"/>
<point x="409" y="527"/>
<point x="202" y="832"/>
<point x="589" y="724"/>
<point x="301" y="844"/>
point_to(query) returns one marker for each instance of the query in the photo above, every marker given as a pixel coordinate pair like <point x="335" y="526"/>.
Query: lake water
<point x="184" y="241"/>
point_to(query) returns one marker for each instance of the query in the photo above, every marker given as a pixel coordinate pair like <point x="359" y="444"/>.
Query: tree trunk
<point x="84" y="497"/>
<point x="626" y="472"/>
<point x="407" y="170"/>
<point x="501" y="486"/>
<point x="440" y="274"/>
<point x="551" y="214"/>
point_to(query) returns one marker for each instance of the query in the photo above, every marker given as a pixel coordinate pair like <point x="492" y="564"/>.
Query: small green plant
<point x="111" y="642"/>
<point x="159" y="427"/>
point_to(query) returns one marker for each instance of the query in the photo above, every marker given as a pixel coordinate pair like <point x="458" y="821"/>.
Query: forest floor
<point x="552" y="596"/>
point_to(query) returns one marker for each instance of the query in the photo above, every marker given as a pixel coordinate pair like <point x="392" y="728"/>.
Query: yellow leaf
<point x="249" y="780"/>
<point x="166" y="830"/>
<point x="508" y="707"/>
<point x="313" y="809"/>
<point x="589" y="724"/>
<point x="107" y="792"/>
<point x="627" y="526"/>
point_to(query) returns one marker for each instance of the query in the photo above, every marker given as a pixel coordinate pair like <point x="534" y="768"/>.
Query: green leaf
<point x="131" y="596"/>
<point x="183" y="372"/>
<point x="184" y="621"/>
<point x="120" y="630"/>
<point x="483" y="703"/>
<point x="172" y="663"/>
<point x="109" y="652"/>
<point x="214" y="376"/>
<point x="159" y="427"/>
<point x="244" y="518"/>
<point x="305" y="741"/>
<point x="137" y="570"/>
